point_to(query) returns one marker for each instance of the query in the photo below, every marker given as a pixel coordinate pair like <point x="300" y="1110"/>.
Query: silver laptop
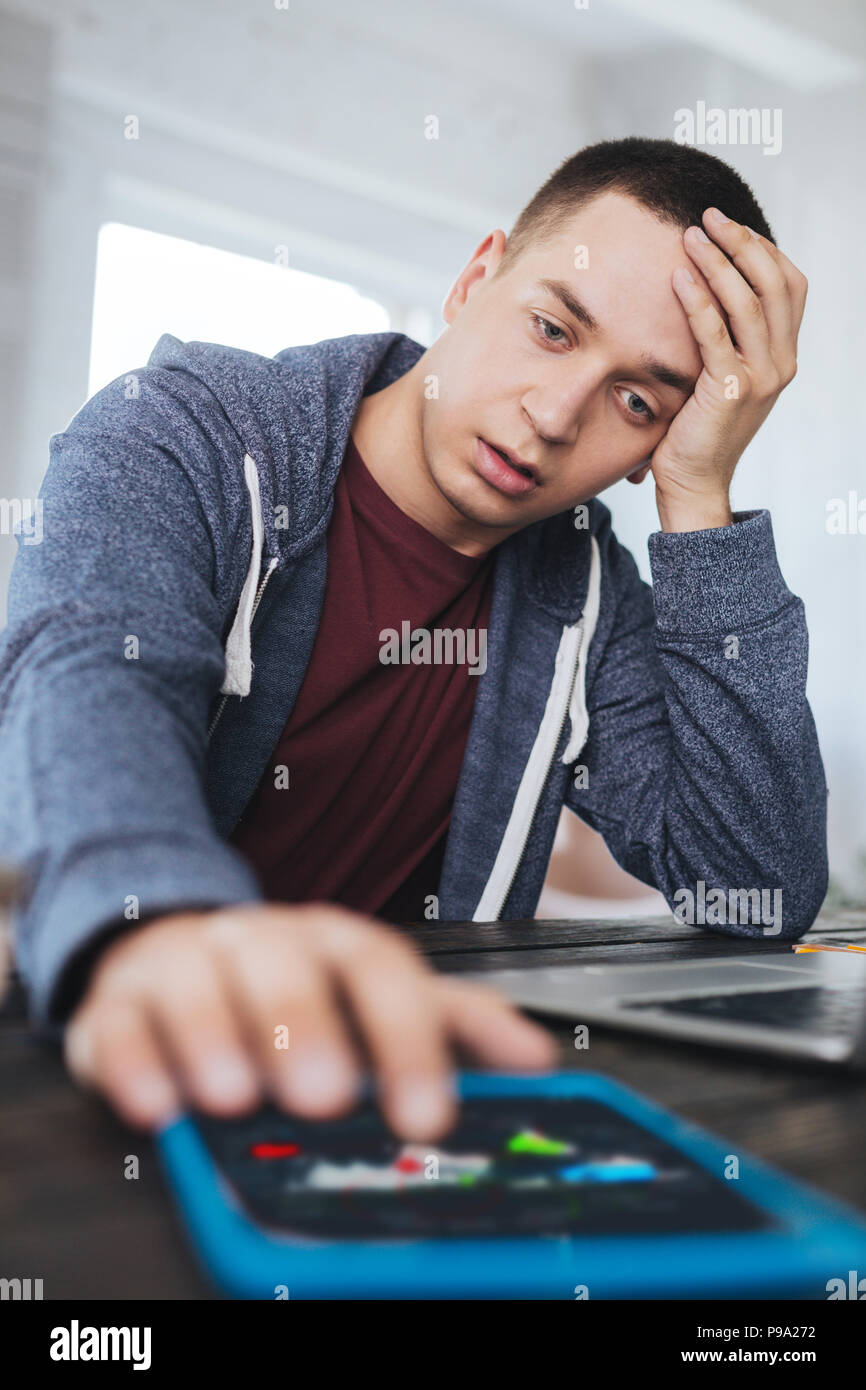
<point x="811" y="1006"/>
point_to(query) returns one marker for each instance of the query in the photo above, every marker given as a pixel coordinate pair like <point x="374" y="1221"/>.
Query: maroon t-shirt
<point x="373" y="750"/>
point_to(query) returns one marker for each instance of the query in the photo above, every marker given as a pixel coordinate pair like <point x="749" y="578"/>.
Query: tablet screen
<point x="522" y="1165"/>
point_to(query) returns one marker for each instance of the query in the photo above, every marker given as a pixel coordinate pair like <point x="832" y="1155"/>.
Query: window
<point x="148" y="284"/>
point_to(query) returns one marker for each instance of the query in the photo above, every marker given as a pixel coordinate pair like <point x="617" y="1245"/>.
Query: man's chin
<point x="470" y="502"/>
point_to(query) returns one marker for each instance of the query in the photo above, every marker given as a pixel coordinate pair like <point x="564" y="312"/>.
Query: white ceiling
<point x="830" y="37"/>
<point x="292" y="115"/>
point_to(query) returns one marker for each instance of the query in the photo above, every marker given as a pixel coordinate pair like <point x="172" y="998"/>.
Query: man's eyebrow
<point x="668" y="376"/>
<point x="561" y="290"/>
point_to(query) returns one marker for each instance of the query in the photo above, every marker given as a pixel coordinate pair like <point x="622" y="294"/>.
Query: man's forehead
<point x="617" y="215"/>
<point x="616" y="260"/>
<point x="625" y="244"/>
<point x="610" y="288"/>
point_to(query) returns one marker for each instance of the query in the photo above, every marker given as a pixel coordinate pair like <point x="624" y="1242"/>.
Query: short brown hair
<point x="675" y="182"/>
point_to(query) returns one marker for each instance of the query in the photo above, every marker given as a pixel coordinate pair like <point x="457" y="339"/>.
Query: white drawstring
<point x="239" y="664"/>
<point x="577" y="710"/>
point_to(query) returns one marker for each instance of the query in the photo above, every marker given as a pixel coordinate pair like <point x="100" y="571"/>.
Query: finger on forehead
<point x="704" y="284"/>
<point x="794" y="278"/>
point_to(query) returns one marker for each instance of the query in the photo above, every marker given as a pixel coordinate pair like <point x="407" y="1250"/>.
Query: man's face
<point x="577" y="397"/>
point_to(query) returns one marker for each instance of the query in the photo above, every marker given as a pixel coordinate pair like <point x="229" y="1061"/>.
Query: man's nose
<point x="555" y="412"/>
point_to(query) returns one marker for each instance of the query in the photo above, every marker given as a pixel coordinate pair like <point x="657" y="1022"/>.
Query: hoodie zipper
<point x="505" y="888"/>
<point x="256" y="601"/>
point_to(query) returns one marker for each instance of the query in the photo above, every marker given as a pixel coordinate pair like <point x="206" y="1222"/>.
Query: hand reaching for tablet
<point x="194" y="1009"/>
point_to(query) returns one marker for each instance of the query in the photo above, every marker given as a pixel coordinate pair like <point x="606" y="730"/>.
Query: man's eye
<point x="544" y="324"/>
<point x="637" y="406"/>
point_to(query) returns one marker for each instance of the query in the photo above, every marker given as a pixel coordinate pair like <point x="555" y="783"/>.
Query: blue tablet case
<point x="815" y="1239"/>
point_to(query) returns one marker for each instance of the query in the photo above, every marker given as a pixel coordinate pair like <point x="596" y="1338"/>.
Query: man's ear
<point x="640" y="472"/>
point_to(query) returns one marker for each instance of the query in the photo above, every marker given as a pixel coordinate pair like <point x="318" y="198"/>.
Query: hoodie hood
<point x="277" y="407"/>
<point x="292" y="414"/>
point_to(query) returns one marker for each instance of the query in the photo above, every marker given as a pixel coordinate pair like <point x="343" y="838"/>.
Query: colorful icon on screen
<point x="609" y="1170"/>
<point x="532" y="1141"/>
<point x="416" y="1165"/>
<point x="274" y="1150"/>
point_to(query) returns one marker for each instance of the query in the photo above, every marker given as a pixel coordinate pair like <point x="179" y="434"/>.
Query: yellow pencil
<point x="822" y="946"/>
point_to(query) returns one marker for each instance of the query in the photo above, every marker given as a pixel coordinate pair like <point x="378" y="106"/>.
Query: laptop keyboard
<point x="815" y="1009"/>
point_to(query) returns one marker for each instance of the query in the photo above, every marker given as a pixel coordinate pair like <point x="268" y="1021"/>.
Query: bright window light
<point x="148" y="284"/>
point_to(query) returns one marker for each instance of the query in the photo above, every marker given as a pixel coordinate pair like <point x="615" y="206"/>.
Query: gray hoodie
<point x="159" y="633"/>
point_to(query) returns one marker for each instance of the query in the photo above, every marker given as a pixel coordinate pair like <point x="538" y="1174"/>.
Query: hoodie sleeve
<point x="108" y="665"/>
<point x="702" y="766"/>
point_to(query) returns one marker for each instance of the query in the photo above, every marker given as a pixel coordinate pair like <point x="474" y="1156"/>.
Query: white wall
<point x="811" y="448"/>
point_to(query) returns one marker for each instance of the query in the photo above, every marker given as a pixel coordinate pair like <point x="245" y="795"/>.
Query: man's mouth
<point x="502" y="471"/>
<point x="521" y="468"/>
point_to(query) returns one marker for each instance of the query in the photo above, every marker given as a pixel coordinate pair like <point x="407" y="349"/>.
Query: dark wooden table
<point x="69" y="1216"/>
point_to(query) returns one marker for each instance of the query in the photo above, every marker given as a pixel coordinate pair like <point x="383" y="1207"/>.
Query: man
<point x="239" y="732"/>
